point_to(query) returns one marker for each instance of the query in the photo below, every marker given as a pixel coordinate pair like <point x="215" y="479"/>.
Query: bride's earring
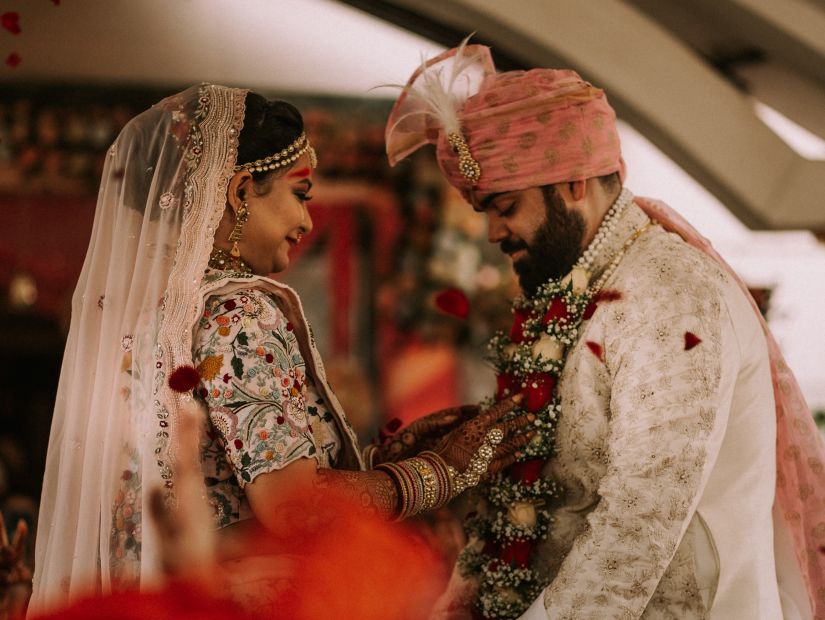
<point x="236" y="235"/>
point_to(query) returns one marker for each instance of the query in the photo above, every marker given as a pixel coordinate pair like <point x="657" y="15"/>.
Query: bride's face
<point x="278" y="217"/>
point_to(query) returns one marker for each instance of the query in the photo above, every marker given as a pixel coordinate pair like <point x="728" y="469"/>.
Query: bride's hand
<point x="462" y="444"/>
<point x="423" y="434"/>
<point x="15" y="574"/>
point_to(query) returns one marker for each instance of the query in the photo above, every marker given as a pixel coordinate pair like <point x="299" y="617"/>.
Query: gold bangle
<point x="400" y="487"/>
<point x="444" y="483"/>
<point x="428" y="482"/>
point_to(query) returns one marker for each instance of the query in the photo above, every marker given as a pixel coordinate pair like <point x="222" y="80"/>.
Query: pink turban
<point x="523" y="128"/>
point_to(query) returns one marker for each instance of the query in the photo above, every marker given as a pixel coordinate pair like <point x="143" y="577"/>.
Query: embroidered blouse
<point x="264" y="409"/>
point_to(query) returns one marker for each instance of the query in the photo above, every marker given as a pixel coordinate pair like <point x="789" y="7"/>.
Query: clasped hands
<point x="457" y="433"/>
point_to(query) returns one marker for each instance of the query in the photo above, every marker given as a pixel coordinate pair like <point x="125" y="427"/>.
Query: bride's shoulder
<point x="245" y="303"/>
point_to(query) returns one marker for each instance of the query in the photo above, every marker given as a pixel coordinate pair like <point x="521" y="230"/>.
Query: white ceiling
<point x="305" y="46"/>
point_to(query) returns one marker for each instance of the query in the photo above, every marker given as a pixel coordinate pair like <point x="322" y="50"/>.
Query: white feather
<point x="439" y="95"/>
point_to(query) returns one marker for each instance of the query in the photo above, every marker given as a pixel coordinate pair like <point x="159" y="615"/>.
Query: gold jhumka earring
<point x="232" y="261"/>
<point x="241" y="217"/>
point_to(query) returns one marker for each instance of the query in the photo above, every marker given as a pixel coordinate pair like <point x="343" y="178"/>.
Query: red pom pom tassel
<point x="184" y="379"/>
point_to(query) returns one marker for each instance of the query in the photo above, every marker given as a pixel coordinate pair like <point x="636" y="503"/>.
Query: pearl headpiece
<point x="284" y="157"/>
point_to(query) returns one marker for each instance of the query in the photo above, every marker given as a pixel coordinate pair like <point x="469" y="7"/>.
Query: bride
<point x="203" y="195"/>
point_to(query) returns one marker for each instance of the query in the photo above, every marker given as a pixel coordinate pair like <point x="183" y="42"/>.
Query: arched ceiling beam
<point x="659" y="86"/>
<point x="790" y="30"/>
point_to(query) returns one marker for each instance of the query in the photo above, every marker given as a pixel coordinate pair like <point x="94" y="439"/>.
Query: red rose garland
<point x="528" y="361"/>
<point x="515" y="513"/>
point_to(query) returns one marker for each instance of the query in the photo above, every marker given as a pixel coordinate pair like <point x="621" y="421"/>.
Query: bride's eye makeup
<point x="304" y="186"/>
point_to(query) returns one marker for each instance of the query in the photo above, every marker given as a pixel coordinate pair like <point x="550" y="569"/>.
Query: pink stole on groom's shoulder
<point x="800" y="451"/>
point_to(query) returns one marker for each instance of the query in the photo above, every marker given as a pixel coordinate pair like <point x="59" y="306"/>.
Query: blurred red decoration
<point x="454" y="302"/>
<point x="13" y="59"/>
<point x="352" y="564"/>
<point x="333" y="561"/>
<point x="10" y="20"/>
<point x="176" y="601"/>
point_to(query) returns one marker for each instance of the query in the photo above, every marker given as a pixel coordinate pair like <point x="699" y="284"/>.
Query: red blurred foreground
<point x="332" y="562"/>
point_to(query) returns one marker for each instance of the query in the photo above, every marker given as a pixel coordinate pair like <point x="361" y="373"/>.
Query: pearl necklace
<point x="605" y="231"/>
<point x="598" y="284"/>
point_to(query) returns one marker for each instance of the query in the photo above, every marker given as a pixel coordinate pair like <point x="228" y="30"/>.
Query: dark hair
<point x="268" y="127"/>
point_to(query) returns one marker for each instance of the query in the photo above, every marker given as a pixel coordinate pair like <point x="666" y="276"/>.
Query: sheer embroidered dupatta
<point x="113" y="436"/>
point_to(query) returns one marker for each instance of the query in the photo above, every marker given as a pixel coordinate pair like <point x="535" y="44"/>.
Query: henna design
<point x="423" y="434"/>
<point x="460" y="446"/>
<point x="374" y="491"/>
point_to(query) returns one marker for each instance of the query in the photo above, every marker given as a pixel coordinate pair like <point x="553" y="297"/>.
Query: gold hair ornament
<point x="284" y="157"/>
<point x="468" y="166"/>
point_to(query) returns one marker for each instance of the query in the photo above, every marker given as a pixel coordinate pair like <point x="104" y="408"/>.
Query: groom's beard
<point x="556" y="245"/>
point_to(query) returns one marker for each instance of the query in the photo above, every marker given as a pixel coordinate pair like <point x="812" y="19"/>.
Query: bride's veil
<point x="113" y="439"/>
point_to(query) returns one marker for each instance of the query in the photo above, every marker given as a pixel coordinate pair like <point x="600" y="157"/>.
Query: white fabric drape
<point x="113" y="437"/>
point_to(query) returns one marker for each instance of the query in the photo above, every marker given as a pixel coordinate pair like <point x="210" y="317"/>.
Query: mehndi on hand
<point x="395" y="443"/>
<point x="483" y="445"/>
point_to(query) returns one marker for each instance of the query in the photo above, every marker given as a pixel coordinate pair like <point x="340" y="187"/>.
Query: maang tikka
<point x="241" y="217"/>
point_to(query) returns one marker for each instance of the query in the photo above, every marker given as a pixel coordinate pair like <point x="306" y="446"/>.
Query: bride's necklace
<point x="224" y="261"/>
<point x="529" y="360"/>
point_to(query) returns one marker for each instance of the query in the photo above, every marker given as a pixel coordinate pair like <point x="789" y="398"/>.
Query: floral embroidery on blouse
<point x="264" y="411"/>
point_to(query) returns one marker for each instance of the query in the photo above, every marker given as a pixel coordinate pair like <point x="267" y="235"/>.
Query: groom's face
<point x="534" y="226"/>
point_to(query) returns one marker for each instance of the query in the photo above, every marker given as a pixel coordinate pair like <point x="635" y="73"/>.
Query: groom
<point x="653" y="487"/>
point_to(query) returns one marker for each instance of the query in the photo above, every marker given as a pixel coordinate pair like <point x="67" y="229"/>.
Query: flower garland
<point x="529" y="360"/>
